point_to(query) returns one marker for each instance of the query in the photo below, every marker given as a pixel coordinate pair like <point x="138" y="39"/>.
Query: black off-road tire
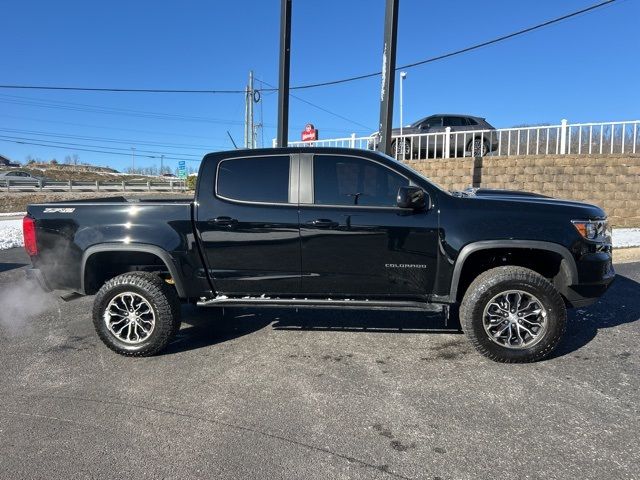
<point x="491" y="283"/>
<point x="163" y="300"/>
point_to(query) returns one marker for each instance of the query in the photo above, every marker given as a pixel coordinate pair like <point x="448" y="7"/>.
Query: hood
<point x="532" y="201"/>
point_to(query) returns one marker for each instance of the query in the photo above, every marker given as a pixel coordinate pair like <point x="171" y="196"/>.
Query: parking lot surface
<point x="313" y="394"/>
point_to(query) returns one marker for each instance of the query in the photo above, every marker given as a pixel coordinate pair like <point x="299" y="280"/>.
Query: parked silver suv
<point x="470" y="136"/>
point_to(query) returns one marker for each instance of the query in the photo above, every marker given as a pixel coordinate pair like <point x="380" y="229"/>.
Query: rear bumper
<point x="36" y="275"/>
<point x="596" y="274"/>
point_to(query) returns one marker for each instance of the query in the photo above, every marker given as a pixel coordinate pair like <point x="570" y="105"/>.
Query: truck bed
<point x="69" y="233"/>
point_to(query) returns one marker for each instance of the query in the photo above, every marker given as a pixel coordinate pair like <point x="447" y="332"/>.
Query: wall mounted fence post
<point x="563" y="136"/>
<point x="447" y="142"/>
<point x="123" y="186"/>
<point x="40" y="184"/>
<point x="274" y="143"/>
<point x="70" y="185"/>
<point x="352" y="143"/>
<point x="97" y="185"/>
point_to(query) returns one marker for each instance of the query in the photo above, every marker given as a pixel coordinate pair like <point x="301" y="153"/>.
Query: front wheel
<point x="136" y="314"/>
<point x="513" y="315"/>
<point x="401" y="147"/>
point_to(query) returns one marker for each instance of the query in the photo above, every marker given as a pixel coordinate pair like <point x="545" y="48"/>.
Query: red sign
<point x="310" y="133"/>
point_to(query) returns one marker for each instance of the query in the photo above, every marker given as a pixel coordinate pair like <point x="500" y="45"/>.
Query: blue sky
<point x="584" y="69"/>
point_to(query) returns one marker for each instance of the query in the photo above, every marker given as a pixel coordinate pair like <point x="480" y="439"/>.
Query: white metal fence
<point x="561" y="139"/>
<point x="13" y="185"/>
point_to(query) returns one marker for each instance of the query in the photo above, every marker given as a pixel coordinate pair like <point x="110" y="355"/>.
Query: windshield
<point x="414" y="172"/>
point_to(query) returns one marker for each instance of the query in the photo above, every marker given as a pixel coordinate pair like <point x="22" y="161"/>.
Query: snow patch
<point x="11" y="234"/>
<point x="626" y="237"/>
<point x="13" y="214"/>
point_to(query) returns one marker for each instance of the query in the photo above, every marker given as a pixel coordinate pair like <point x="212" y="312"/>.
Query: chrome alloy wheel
<point x="515" y="319"/>
<point x="403" y="147"/>
<point x="130" y="318"/>
<point x="479" y="148"/>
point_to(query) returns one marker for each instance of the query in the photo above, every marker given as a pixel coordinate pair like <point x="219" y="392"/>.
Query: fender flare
<point x="163" y="255"/>
<point x="568" y="265"/>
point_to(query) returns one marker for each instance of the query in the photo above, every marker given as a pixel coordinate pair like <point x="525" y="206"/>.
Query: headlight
<point x="595" y="230"/>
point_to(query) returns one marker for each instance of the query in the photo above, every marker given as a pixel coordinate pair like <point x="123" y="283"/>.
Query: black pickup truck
<point x="318" y="227"/>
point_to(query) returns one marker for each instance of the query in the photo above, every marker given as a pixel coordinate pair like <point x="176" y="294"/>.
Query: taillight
<point x="29" y="233"/>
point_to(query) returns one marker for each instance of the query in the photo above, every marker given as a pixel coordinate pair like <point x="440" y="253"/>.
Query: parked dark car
<point x="326" y="227"/>
<point x="470" y="136"/>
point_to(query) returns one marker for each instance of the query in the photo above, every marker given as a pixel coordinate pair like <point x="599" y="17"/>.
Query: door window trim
<point x="292" y="193"/>
<point x="307" y="182"/>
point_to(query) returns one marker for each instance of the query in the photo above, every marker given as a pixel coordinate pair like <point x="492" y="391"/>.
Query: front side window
<point x="255" y="179"/>
<point x="432" y="122"/>
<point x="341" y="180"/>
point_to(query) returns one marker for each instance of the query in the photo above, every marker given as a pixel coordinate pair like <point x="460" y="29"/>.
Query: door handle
<point x="223" y="221"/>
<point x="323" y="223"/>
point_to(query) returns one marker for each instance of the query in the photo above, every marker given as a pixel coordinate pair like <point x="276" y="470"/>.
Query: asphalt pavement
<point x="325" y="394"/>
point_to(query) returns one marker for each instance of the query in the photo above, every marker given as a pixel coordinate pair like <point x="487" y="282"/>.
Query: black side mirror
<point x="413" y="197"/>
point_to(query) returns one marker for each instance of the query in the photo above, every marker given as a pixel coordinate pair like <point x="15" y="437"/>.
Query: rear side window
<point x="255" y="179"/>
<point x="354" y="181"/>
<point x="454" y="122"/>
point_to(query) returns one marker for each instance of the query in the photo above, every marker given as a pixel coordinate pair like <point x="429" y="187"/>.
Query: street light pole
<point x="133" y="159"/>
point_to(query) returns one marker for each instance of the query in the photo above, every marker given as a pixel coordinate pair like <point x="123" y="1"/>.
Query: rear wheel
<point x="478" y="147"/>
<point x="136" y="314"/>
<point x="513" y="315"/>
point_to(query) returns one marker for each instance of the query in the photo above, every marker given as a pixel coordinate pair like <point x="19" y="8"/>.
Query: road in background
<point x="316" y="394"/>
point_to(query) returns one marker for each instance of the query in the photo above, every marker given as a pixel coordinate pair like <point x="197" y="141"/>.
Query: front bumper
<point x="35" y="274"/>
<point x="596" y="274"/>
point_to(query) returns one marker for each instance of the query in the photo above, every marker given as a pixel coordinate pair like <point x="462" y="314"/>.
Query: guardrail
<point x="12" y="185"/>
<point x="561" y="139"/>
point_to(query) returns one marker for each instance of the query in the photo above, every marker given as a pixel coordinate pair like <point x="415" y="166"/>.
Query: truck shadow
<point x="620" y="305"/>
<point x="204" y="327"/>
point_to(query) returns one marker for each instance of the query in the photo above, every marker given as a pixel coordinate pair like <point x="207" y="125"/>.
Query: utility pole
<point x="246" y="116"/>
<point x="133" y="159"/>
<point x="161" y="164"/>
<point x="283" y="85"/>
<point x="249" y="125"/>
<point x="388" y="75"/>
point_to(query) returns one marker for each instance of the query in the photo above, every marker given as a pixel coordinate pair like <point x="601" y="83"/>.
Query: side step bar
<point x="319" y="303"/>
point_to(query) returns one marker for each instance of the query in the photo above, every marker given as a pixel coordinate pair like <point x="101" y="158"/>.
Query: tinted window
<point x="354" y="181"/>
<point x="471" y="121"/>
<point x="433" y="122"/>
<point x="257" y="179"/>
<point x="454" y="122"/>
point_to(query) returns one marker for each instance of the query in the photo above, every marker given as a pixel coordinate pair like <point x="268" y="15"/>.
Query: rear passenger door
<point x="247" y="220"/>
<point x="356" y="241"/>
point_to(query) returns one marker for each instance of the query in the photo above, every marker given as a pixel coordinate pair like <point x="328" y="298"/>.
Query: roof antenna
<point x="234" y="143"/>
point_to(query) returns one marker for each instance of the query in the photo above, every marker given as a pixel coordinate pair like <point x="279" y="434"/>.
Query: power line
<point x="112" y="140"/>
<point x="108" y="127"/>
<point x="92" y="148"/>
<point x="322" y="108"/>
<point x="81" y="107"/>
<point x="462" y="50"/>
<point x="119" y="90"/>
<point x="332" y="82"/>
